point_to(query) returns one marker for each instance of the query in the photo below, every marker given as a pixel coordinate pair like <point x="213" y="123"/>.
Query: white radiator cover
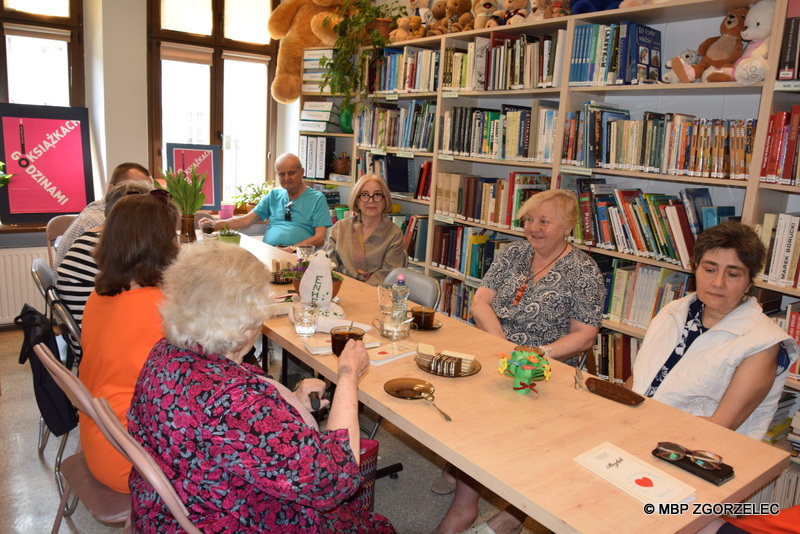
<point x="16" y="283"/>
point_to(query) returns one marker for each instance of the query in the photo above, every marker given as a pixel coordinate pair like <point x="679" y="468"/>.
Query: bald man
<point x="297" y="214"/>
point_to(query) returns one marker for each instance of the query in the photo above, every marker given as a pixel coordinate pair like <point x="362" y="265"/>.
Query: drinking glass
<point x="305" y="318"/>
<point x="385" y="298"/>
<point x="304" y="252"/>
<point x="340" y="335"/>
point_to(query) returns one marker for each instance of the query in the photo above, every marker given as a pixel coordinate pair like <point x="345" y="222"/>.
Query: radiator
<point x="16" y="283"/>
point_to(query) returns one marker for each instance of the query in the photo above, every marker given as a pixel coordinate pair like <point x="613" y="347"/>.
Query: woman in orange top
<point x="121" y="322"/>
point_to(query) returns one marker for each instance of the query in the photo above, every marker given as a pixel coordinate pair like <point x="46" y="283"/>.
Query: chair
<point x="105" y="504"/>
<point x="142" y="461"/>
<point x="423" y="289"/>
<point x="55" y="229"/>
<point x="67" y="324"/>
<point x="44" y="278"/>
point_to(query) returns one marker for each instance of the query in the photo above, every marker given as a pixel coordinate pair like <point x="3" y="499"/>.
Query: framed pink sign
<point x="205" y="159"/>
<point x="47" y="149"/>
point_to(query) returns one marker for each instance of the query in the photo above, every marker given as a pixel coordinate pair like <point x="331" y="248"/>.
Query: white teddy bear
<point x="752" y="67"/>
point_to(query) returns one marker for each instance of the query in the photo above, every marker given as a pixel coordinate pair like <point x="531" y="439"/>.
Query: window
<point x="41" y="53"/>
<point x="210" y="85"/>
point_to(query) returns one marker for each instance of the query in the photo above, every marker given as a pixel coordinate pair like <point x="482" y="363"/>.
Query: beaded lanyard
<point x="524" y="286"/>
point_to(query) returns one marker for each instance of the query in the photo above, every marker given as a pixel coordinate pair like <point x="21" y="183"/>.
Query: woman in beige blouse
<point x="368" y="245"/>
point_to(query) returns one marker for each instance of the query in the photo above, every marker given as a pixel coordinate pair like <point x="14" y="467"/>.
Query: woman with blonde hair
<point x="368" y="245"/>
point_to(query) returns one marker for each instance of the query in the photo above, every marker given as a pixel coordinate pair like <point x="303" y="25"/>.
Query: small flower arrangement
<point x="226" y="235"/>
<point x="296" y="272"/>
<point x="525" y="368"/>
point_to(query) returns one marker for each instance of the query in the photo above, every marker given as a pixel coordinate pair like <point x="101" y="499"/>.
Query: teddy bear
<point x="715" y="52"/>
<point x="513" y="12"/>
<point x="459" y="15"/>
<point x="298" y="24"/>
<point x="559" y="9"/>
<point x="402" y="32"/>
<point x="482" y="11"/>
<point x="421" y="9"/>
<point x="547" y="9"/>
<point x="688" y="56"/>
<point x="751" y="67"/>
<point x="438" y="23"/>
<point x="417" y="28"/>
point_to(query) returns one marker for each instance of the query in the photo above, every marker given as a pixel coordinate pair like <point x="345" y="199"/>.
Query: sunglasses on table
<point x="287" y="214"/>
<point x="674" y="452"/>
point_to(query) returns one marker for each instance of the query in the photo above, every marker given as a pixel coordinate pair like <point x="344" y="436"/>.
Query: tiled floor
<point x="29" y="497"/>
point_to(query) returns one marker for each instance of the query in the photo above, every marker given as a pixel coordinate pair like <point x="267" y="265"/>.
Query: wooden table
<point x="522" y="447"/>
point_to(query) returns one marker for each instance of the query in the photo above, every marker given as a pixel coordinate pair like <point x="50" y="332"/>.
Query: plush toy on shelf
<point x="752" y="67"/>
<point x="421" y="9"/>
<point x="690" y="57"/>
<point x="715" y="52"/>
<point x="402" y="32"/>
<point x="417" y="28"/>
<point x="298" y="24"/>
<point x="459" y="15"/>
<point x="482" y="12"/>
<point x="438" y="24"/>
<point x="513" y="12"/>
<point x="548" y="9"/>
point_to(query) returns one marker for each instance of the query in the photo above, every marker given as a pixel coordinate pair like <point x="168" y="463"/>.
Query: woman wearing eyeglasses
<point x="121" y="322"/>
<point x="714" y="353"/>
<point x="368" y="245"/>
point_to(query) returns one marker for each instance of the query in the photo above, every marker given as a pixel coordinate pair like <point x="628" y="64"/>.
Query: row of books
<point x="415" y="237"/>
<point x="794" y="438"/>
<point x="315" y="155"/>
<point x="792" y="326"/>
<point x="604" y="135"/>
<point x="651" y="225"/>
<point x="613" y="355"/>
<point x="504" y="61"/>
<point x="387" y="125"/>
<point x="778" y="232"/>
<point x="624" y="53"/>
<point x="464" y="250"/>
<point x="406" y="70"/>
<point x="636" y="292"/>
<point x="780" y="162"/>
<point x="404" y="179"/>
<point x="487" y="201"/>
<point x="522" y="133"/>
<point x="781" y="424"/>
<point x="313" y="73"/>
<point x="789" y="60"/>
<point x="456" y="298"/>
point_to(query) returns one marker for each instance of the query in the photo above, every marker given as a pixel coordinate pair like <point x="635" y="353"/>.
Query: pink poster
<point x="49" y="157"/>
<point x="205" y="159"/>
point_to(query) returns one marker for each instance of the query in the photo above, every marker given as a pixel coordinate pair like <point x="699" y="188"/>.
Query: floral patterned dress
<point x="239" y="456"/>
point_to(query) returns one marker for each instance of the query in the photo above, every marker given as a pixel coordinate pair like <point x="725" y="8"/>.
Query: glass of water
<point x="305" y="316"/>
<point x="304" y="252"/>
<point x="385" y="298"/>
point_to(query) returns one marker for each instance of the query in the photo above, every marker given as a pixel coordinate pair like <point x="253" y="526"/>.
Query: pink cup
<point x="226" y="211"/>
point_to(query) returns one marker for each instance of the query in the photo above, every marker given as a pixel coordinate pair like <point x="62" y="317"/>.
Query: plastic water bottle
<point x="400" y="297"/>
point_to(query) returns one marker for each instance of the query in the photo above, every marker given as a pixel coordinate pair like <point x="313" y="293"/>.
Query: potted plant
<point x="295" y="274"/>
<point x="363" y="22"/>
<point x="4" y="178"/>
<point x="226" y="235"/>
<point x="247" y="196"/>
<point x="187" y="194"/>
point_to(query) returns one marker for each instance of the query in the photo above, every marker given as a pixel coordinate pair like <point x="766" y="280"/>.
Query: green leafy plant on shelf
<point x="359" y="39"/>
<point x="251" y="193"/>
<point x="186" y="191"/>
<point x="4" y="178"/>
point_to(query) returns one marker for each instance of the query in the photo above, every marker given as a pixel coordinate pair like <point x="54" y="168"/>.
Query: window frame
<point x="75" y="47"/>
<point x="219" y="44"/>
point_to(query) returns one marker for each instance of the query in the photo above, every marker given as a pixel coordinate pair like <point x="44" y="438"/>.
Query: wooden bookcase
<point x="683" y="24"/>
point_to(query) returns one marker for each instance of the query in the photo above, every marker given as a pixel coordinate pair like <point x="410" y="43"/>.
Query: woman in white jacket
<point x="714" y="353"/>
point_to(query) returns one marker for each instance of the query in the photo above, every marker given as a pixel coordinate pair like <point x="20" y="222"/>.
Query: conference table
<point x="522" y="447"/>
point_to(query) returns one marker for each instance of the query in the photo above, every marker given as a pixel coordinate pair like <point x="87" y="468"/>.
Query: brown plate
<point x="476" y="366"/>
<point x="435" y="326"/>
<point x="408" y="388"/>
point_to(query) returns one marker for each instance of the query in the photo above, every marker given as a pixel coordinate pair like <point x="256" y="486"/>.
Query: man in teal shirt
<point x="297" y="214"/>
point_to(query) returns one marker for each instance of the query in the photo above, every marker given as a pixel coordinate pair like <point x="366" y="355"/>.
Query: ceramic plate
<point x="408" y="388"/>
<point x="476" y="366"/>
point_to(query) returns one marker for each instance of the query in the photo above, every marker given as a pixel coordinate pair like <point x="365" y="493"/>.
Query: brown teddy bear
<point x="482" y="11"/>
<point x="459" y="15"/>
<point x="417" y="28"/>
<point x="438" y="24"/>
<point x="298" y="24"/>
<point x="402" y="32"/>
<point x="513" y="12"/>
<point x="715" y="52"/>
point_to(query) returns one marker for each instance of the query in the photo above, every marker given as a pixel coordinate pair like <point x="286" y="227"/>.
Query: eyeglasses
<point x="161" y="194"/>
<point x="675" y="452"/>
<point x="287" y="214"/>
<point x="366" y="197"/>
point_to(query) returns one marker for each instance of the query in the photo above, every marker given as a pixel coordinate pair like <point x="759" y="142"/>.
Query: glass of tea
<point x="340" y="335"/>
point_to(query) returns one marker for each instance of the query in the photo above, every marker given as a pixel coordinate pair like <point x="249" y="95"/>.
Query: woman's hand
<point x="308" y="386"/>
<point x="354" y="360"/>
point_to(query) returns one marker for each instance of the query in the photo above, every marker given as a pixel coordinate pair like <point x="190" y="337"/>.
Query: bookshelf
<point x="449" y="90"/>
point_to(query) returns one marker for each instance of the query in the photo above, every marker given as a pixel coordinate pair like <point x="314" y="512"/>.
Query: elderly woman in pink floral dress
<point x="242" y="451"/>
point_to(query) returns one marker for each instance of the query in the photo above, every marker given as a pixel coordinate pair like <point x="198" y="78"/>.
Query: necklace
<point x="524" y="286"/>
